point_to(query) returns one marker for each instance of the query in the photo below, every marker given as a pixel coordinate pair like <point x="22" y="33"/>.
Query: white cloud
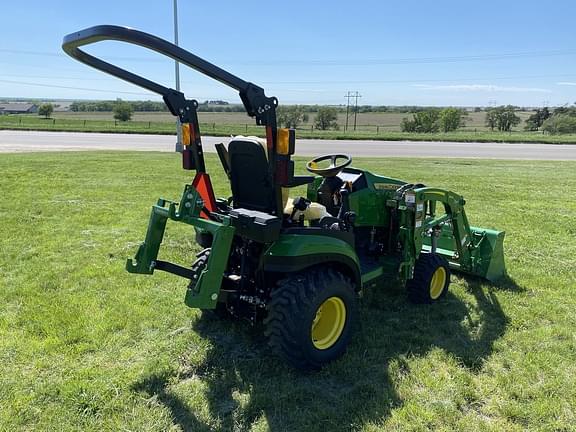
<point x="565" y="83"/>
<point x="482" y="88"/>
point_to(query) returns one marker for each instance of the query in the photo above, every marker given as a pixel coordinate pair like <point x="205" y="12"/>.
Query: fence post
<point x="20" y="120"/>
<point x="377" y="130"/>
<point x="84" y="123"/>
<point x="53" y="122"/>
<point x="115" y="123"/>
<point x="246" y="127"/>
<point x="213" y="126"/>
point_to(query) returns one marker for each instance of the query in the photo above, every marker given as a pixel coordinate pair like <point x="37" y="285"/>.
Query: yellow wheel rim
<point x="328" y="323"/>
<point x="437" y="283"/>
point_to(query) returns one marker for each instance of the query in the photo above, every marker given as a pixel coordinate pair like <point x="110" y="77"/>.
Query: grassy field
<point x="379" y="126"/>
<point x="365" y="121"/>
<point x="86" y="346"/>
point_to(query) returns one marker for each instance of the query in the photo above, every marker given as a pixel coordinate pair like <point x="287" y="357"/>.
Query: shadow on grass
<point x="245" y="383"/>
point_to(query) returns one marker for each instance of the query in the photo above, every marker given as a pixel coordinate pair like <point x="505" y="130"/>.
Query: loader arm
<point x="478" y="251"/>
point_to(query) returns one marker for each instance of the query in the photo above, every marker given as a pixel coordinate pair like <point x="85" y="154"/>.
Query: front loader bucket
<point x="488" y="256"/>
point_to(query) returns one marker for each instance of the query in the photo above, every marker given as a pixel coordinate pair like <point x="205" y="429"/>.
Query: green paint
<point x="204" y="293"/>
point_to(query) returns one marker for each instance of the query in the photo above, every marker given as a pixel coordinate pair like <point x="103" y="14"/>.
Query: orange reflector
<point x="186" y="134"/>
<point x="285" y="143"/>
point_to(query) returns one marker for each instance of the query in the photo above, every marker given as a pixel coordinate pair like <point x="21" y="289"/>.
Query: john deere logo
<point x="386" y="186"/>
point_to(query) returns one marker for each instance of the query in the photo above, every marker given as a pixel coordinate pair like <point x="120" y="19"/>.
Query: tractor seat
<point x="252" y="187"/>
<point x="250" y="180"/>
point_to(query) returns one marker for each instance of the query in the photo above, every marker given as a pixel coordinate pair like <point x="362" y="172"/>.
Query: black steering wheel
<point x="331" y="170"/>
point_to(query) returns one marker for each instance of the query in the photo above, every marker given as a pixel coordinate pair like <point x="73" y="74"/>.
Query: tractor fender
<point x="297" y="252"/>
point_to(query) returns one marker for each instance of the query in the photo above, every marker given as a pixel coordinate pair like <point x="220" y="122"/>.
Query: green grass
<point x="86" y="346"/>
<point x="226" y="124"/>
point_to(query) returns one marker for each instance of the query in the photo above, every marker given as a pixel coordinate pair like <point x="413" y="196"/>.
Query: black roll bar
<point x="256" y="103"/>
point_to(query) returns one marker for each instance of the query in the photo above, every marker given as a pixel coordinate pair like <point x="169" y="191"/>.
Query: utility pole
<point x="347" y="96"/>
<point x="356" y="96"/>
<point x="179" y="147"/>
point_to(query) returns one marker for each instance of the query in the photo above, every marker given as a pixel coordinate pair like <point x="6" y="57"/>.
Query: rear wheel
<point x="311" y="318"/>
<point x="204" y="238"/>
<point x="431" y="279"/>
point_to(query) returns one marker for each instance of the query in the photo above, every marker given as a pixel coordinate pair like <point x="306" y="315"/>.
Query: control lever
<point x="346" y="216"/>
<point x="344" y="205"/>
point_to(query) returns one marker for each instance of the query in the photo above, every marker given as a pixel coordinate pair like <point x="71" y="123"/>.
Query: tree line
<point x="561" y="120"/>
<point x="107" y="106"/>
<point x="503" y="119"/>
<point x="151" y="106"/>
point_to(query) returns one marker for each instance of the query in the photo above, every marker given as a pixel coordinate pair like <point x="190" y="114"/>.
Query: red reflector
<point x="192" y="133"/>
<point x="282" y="171"/>
<point x="187" y="160"/>
<point x="269" y="137"/>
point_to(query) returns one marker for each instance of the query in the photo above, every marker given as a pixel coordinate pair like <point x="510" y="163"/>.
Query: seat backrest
<point x="250" y="179"/>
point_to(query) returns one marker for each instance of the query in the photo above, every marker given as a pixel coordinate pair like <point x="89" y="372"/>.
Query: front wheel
<point x="431" y="279"/>
<point x="311" y="317"/>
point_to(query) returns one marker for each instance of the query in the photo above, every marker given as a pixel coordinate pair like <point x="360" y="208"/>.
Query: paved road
<point x="25" y="141"/>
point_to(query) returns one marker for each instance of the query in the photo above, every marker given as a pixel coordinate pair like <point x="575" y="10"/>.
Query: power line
<point x="342" y="62"/>
<point x="72" y="88"/>
<point x="412" y="60"/>
<point x="64" y="56"/>
<point x="89" y="89"/>
<point x="58" y="77"/>
<point x="365" y="82"/>
<point x="420" y="80"/>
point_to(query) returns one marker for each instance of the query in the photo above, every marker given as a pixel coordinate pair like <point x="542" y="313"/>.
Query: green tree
<point x="408" y="125"/>
<point x="568" y="110"/>
<point x="46" y="110"/>
<point x="503" y="118"/>
<point x="536" y="120"/>
<point x="326" y="118"/>
<point x="451" y="119"/>
<point x="123" y="111"/>
<point x="422" y="122"/>
<point x="491" y="119"/>
<point x="291" y="116"/>
<point x="560" y="124"/>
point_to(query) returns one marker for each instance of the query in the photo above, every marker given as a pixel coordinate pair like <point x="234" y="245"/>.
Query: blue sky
<point x="392" y="52"/>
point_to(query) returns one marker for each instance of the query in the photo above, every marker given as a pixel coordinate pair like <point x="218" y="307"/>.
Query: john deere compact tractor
<point x="296" y="264"/>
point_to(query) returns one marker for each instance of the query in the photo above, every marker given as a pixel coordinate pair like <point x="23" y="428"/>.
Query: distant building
<point x="60" y="106"/>
<point x="18" y="108"/>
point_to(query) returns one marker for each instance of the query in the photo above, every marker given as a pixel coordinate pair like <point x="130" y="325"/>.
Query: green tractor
<point x="297" y="264"/>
